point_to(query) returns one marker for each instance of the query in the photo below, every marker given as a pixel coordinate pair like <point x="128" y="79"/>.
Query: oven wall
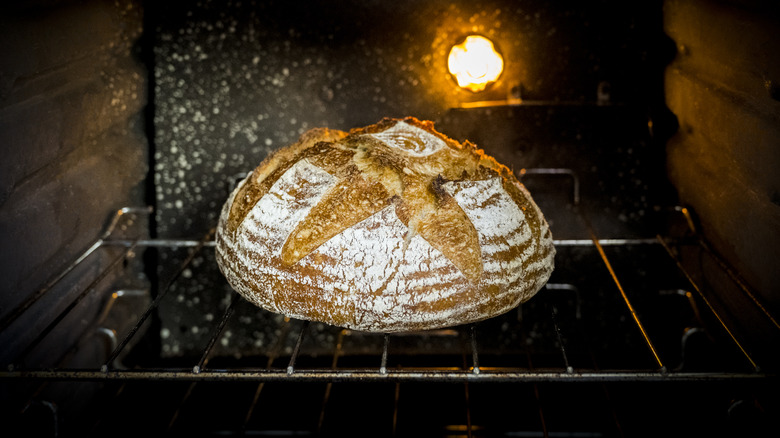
<point x="72" y="136"/>
<point x="724" y="87"/>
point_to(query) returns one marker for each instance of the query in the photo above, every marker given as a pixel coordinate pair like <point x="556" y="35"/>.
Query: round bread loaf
<point x="388" y="228"/>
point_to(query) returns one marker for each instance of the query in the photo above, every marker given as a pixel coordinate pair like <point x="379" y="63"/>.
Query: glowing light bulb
<point x="475" y="63"/>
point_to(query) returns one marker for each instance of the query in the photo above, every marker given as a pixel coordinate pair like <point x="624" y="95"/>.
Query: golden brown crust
<point x="352" y="199"/>
<point x="276" y="164"/>
<point x="449" y="230"/>
<point x="393" y="227"/>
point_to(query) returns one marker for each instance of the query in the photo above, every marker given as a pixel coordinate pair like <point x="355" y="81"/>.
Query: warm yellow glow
<point x="475" y="63"/>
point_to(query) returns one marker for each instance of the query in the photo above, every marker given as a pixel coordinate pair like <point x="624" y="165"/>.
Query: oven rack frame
<point x="472" y="372"/>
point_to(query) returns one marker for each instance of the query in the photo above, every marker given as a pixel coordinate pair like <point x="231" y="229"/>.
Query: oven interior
<point x="116" y="321"/>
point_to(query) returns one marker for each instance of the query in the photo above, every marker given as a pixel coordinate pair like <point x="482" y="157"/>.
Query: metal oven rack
<point x="284" y="366"/>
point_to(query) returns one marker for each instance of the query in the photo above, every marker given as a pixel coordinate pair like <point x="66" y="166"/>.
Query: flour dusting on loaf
<point x="388" y="228"/>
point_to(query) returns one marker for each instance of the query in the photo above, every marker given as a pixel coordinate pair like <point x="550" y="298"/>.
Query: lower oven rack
<point x="568" y="390"/>
<point x="470" y="371"/>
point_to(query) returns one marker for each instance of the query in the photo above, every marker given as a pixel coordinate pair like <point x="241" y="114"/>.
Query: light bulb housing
<point x="475" y="63"/>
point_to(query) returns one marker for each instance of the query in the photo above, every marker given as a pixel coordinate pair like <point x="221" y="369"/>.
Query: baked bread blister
<point x="389" y="228"/>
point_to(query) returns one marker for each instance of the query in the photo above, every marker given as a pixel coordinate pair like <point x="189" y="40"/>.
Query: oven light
<point x="475" y="63"/>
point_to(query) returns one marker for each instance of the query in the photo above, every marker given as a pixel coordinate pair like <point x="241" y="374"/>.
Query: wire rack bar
<point x="709" y="306"/>
<point x="554" y="317"/>
<point x="634" y="315"/>
<point x="297" y="348"/>
<point x="273" y="354"/>
<point x="329" y="385"/>
<point x="741" y="284"/>
<point x="24" y="306"/>
<point x="45" y="332"/>
<point x="725" y="267"/>
<point x="385" y="346"/>
<point x="106" y="366"/>
<point x="184" y="399"/>
<point x="487" y="374"/>
<point x="622" y="291"/>
<point x="217" y="333"/>
<point x="474" y="354"/>
<point x="558" y="171"/>
<point x="162" y="243"/>
<point x="203" y="360"/>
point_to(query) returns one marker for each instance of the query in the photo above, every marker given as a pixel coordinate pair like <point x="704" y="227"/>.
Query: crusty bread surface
<point x="389" y="228"/>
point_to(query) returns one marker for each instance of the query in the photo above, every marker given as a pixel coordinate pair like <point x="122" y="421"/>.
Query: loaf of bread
<point x="389" y="228"/>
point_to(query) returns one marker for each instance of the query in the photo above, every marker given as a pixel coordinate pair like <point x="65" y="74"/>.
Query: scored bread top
<point x="391" y="227"/>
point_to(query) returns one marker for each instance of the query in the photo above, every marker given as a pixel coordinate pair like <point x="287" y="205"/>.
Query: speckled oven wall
<point x="235" y="80"/>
